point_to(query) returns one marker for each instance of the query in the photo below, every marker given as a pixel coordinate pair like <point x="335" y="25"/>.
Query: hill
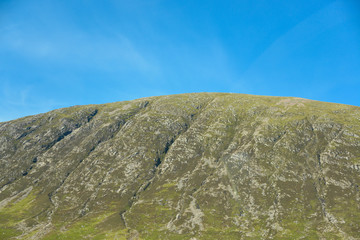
<point x="189" y="166"/>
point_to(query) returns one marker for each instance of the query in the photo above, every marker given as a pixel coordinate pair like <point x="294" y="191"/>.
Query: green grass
<point x="87" y="228"/>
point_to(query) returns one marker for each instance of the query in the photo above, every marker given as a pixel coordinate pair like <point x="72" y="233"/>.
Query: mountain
<point x="189" y="166"/>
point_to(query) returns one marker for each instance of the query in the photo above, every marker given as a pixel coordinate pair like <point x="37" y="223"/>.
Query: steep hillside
<point x="190" y="166"/>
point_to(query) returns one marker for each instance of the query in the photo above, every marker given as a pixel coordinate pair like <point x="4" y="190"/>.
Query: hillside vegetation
<point x="189" y="166"/>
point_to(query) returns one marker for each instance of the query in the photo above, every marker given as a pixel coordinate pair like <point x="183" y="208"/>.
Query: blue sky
<point x="61" y="53"/>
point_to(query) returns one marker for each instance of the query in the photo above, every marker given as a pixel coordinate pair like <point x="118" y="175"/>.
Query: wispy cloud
<point x="13" y="95"/>
<point x="77" y="48"/>
<point x="303" y="32"/>
<point x="18" y="100"/>
<point x="301" y="61"/>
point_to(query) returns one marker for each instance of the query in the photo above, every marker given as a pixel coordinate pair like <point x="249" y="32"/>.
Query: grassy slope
<point x="227" y="148"/>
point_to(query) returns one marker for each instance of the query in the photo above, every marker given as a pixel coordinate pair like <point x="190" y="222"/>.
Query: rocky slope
<point x="191" y="166"/>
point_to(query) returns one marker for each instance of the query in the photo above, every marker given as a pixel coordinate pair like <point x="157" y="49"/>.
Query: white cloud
<point x="76" y="48"/>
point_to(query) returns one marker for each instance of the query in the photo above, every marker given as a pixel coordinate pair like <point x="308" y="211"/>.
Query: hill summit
<point x="188" y="166"/>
